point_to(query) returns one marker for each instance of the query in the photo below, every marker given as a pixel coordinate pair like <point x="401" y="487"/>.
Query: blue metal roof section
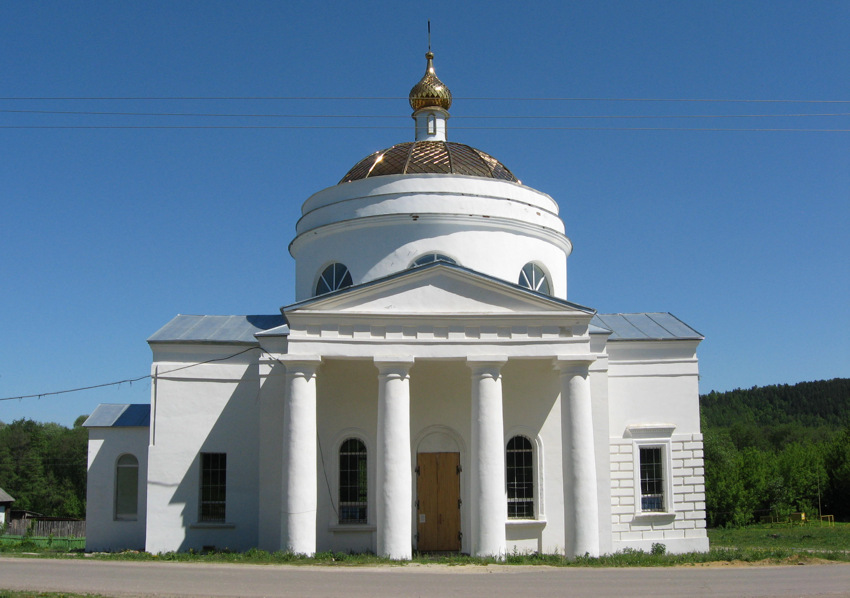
<point x="110" y="415"/>
<point x="645" y="327"/>
<point x="215" y="329"/>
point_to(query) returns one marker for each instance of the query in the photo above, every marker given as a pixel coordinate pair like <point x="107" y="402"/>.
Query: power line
<point x="119" y="382"/>
<point x="60" y="392"/>
<point x="386" y="116"/>
<point x="396" y="98"/>
<point x="686" y="129"/>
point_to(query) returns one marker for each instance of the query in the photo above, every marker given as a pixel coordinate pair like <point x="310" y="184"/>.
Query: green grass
<point x="27" y="594"/>
<point x="36" y="542"/>
<point x="811" y="536"/>
<point x="776" y="544"/>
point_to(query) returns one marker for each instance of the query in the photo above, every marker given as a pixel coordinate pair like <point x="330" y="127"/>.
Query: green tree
<point x="723" y="485"/>
<point x="44" y="467"/>
<point x="837" y="465"/>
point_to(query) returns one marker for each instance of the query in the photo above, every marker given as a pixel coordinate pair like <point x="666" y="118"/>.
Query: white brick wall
<point x="685" y="523"/>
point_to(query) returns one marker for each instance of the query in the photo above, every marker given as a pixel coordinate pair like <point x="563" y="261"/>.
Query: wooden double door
<point x="438" y="502"/>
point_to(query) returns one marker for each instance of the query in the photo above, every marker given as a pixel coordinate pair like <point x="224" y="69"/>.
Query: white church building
<point x="431" y="389"/>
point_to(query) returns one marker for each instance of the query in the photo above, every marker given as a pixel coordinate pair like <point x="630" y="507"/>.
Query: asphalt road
<point x="179" y="579"/>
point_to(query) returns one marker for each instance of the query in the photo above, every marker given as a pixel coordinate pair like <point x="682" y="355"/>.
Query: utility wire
<point x="395" y="98"/>
<point x="129" y="380"/>
<point x="693" y="129"/>
<point x="387" y="116"/>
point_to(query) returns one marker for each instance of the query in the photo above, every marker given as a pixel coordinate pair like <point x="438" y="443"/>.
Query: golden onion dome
<point x="430" y="91"/>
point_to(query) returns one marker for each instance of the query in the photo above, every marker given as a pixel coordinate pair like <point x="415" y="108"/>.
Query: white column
<point x="272" y="398"/>
<point x="489" y="508"/>
<point x="581" y="506"/>
<point x="394" y="492"/>
<point x="298" y="508"/>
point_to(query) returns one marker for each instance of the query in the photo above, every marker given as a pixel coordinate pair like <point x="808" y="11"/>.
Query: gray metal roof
<point x="108" y="415"/>
<point x="4" y="496"/>
<point x="215" y="329"/>
<point x="643" y="327"/>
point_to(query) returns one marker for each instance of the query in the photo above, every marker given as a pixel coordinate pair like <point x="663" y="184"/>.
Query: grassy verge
<point x="754" y="544"/>
<point x="812" y="536"/>
<point x="61" y="544"/>
<point x="26" y="594"/>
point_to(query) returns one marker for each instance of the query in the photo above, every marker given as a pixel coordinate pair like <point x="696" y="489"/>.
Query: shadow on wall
<point x="233" y="525"/>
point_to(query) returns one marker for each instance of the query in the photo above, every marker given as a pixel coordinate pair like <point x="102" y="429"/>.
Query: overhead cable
<point x="127" y="381"/>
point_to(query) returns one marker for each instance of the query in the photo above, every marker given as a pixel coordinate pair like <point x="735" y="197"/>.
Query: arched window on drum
<point x="533" y="277"/>
<point x="334" y="277"/>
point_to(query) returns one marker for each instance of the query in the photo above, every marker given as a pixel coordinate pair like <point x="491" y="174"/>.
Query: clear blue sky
<point x="106" y="233"/>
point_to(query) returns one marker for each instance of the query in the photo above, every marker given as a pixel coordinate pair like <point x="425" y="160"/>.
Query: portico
<point x="538" y="334"/>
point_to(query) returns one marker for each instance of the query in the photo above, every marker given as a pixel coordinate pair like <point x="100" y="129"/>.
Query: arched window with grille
<point x="334" y="277"/>
<point x="126" y="487"/>
<point x="519" y="462"/>
<point x="353" y="488"/>
<point x="533" y="277"/>
<point x="427" y="258"/>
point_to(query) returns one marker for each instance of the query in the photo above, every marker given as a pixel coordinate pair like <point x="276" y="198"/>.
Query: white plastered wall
<point x="532" y="408"/>
<point x="105" y="533"/>
<point x="346" y="406"/>
<point x="654" y="402"/>
<point x="205" y="408"/>
<point x="491" y="226"/>
<point x="498" y="253"/>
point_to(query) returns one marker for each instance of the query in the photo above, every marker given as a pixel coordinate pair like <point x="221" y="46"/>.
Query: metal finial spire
<point x="429" y="35"/>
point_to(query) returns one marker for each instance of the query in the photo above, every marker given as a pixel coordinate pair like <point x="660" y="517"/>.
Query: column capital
<point x="300" y="365"/>
<point x="574" y="364"/>
<point x="395" y="366"/>
<point x="486" y="365"/>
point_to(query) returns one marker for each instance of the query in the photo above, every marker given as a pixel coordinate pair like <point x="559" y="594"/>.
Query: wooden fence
<point x="58" y="529"/>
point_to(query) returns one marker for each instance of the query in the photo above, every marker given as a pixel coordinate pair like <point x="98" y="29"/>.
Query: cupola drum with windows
<point x="429" y="197"/>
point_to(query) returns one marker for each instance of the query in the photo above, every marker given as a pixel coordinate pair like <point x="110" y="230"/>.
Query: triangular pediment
<point x="437" y="289"/>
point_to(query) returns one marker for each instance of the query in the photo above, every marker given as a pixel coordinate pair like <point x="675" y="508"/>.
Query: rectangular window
<point x="352" y="482"/>
<point x="652" y="479"/>
<point x="213" y="487"/>
<point x="520" y="478"/>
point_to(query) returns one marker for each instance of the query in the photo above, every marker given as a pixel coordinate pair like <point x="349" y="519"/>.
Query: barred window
<point x="651" y="479"/>
<point x="126" y="487"/>
<point x="213" y="487"/>
<point x="334" y="277"/>
<point x="533" y="277"/>
<point x="352" y="482"/>
<point x="520" y="478"/>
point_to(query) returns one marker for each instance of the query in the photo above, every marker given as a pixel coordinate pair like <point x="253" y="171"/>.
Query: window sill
<point x="212" y="525"/>
<point x="529" y="523"/>
<point x="655" y="515"/>
<point x="352" y="527"/>
<point x="130" y="519"/>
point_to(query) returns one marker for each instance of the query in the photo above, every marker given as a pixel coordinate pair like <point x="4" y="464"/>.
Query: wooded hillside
<point x="773" y="450"/>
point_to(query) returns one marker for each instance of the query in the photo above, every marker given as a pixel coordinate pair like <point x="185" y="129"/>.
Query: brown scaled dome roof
<point x="429" y="157"/>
